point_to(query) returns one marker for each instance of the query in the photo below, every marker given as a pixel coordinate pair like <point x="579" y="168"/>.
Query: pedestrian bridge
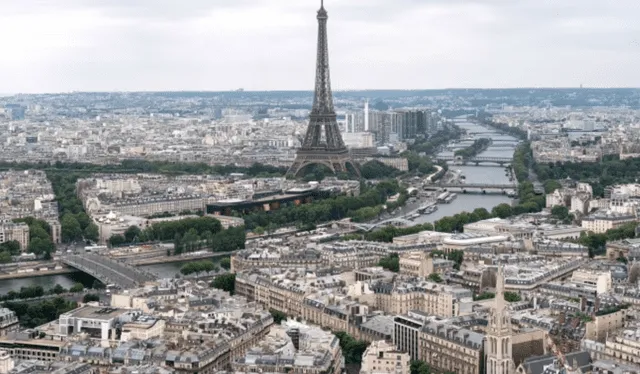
<point x="400" y="222"/>
<point x="109" y="271"/>
<point x="501" y="145"/>
<point x="477" y="160"/>
<point x="477" y="185"/>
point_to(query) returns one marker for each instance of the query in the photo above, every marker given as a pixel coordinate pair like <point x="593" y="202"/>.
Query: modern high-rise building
<point x="366" y="115"/>
<point x="380" y="125"/>
<point x="411" y="123"/>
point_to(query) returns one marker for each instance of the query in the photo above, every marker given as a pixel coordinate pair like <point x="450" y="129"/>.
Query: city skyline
<point x="255" y="45"/>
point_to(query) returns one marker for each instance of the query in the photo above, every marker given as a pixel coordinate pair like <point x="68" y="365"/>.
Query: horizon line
<point x="335" y="90"/>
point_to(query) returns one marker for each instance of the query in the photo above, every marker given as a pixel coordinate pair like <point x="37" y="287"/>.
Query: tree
<point x="420" y="367"/>
<point x="177" y="244"/>
<point x="132" y="234"/>
<point x="457" y="257"/>
<point x="478" y="146"/>
<point x="117" y="240"/>
<point x="278" y="316"/>
<point x="502" y="210"/>
<point x="551" y="185"/>
<point x="5" y="257"/>
<point x="32" y="314"/>
<point x="58" y="289"/>
<point x="36" y="231"/>
<point x="39" y="246"/>
<point x="484" y="296"/>
<point x="512" y="297"/>
<point x="78" y="287"/>
<point x="435" y="277"/>
<point x="258" y="230"/>
<point x="70" y="228"/>
<point x="225" y="263"/>
<point x="352" y="349"/>
<point x="271" y="228"/>
<point x="391" y="262"/>
<point x="190" y="240"/>
<point x="375" y="169"/>
<point x="560" y="212"/>
<point x="197" y="267"/>
<point x="12" y="247"/>
<point x="92" y="232"/>
<point x="225" y="282"/>
<point x="481" y="214"/>
<point x="90" y="297"/>
<point x="83" y="219"/>
<point x="97" y="285"/>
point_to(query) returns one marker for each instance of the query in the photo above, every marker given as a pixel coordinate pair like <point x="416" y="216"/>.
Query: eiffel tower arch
<point x="323" y="142"/>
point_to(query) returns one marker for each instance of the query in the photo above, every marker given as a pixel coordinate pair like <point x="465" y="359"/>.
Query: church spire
<point x="499" y="301"/>
<point x="499" y="345"/>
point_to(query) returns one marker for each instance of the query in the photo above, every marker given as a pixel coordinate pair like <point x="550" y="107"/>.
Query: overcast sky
<point x="130" y="45"/>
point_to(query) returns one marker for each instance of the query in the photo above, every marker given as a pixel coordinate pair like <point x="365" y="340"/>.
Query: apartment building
<point x="599" y="280"/>
<point x="286" y="296"/>
<point x="142" y="328"/>
<point x="433" y="298"/>
<point x="555" y="248"/>
<point x="276" y="256"/>
<point x="624" y="346"/>
<point x="15" y="231"/>
<point x="293" y="347"/>
<point x="421" y="264"/>
<point x="599" y="223"/>
<point x="406" y="333"/>
<point x="42" y="367"/>
<point x="8" y="322"/>
<point x="449" y="348"/>
<point x="445" y="346"/>
<point x="144" y="207"/>
<point x="26" y="345"/>
<point x="384" y="358"/>
<point x="523" y="272"/>
<point x="601" y="326"/>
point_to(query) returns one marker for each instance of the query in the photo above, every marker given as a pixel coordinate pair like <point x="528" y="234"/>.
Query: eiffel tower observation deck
<point x="323" y="142"/>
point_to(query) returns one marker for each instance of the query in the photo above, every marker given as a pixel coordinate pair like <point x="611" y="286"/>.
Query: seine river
<point x="473" y="174"/>
<point x="67" y="280"/>
<point x="503" y="146"/>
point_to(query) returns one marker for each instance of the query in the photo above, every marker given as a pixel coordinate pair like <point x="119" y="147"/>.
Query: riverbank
<point x="32" y="274"/>
<point x="478" y="174"/>
<point x="429" y="178"/>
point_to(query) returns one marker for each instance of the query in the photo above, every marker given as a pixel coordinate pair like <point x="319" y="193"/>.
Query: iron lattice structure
<point x="323" y="142"/>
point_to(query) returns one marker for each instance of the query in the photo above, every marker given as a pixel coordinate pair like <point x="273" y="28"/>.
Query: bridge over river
<point x="477" y="160"/>
<point x="109" y="271"/>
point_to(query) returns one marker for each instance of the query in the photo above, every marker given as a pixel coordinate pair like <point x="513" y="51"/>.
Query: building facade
<point x="382" y="357"/>
<point x="19" y="232"/>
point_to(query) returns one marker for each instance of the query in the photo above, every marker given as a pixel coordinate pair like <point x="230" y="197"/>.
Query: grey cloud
<point x="169" y="44"/>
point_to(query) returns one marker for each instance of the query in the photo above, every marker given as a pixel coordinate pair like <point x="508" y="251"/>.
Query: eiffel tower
<point x="323" y="142"/>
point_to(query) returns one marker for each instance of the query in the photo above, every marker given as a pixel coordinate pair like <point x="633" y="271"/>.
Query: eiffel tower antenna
<point x="323" y="142"/>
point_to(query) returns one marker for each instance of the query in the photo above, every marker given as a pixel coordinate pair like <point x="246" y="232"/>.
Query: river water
<point x="503" y="146"/>
<point x="168" y="270"/>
